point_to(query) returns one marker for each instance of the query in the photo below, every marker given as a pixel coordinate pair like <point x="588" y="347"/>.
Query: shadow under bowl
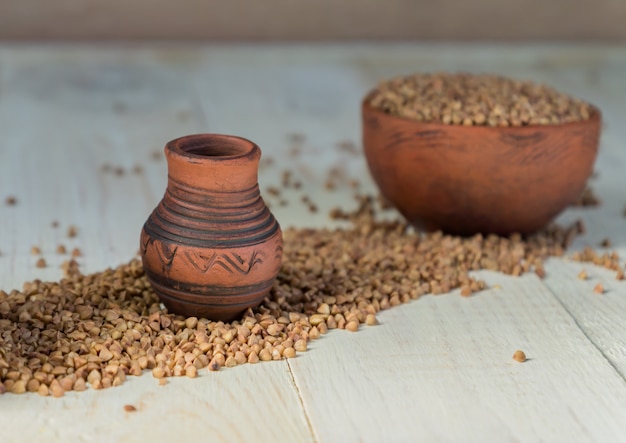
<point x="466" y="180"/>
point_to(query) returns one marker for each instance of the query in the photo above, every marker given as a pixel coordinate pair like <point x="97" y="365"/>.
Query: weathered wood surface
<point x="438" y="369"/>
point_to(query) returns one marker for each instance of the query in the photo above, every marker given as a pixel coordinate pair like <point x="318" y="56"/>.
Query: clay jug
<point x="211" y="248"/>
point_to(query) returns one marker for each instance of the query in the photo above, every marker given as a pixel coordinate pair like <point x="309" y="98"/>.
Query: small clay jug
<point x="211" y="248"/>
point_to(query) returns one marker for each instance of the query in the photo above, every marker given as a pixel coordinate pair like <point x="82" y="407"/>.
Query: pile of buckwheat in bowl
<point x="476" y="100"/>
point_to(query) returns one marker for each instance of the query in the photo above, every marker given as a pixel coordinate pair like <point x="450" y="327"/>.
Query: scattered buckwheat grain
<point x="371" y="320"/>
<point x="587" y="199"/>
<point x="191" y="371"/>
<point x="608" y="260"/>
<point x="19" y="387"/>
<point x="95" y="330"/>
<point x="519" y="356"/>
<point x="72" y="231"/>
<point x="41" y="263"/>
<point x="540" y="271"/>
<point x="289" y="352"/>
<point x="466" y="290"/>
<point x="296" y="138"/>
<point x="348" y="147"/>
<point x="273" y="190"/>
<point x="599" y="288"/>
<point x="295" y="151"/>
<point x="55" y="389"/>
<point x="352" y="326"/>
<point x="214" y="366"/>
<point x="43" y="390"/>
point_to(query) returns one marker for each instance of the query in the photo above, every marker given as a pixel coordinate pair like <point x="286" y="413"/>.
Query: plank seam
<point x="301" y="399"/>
<point x="582" y="329"/>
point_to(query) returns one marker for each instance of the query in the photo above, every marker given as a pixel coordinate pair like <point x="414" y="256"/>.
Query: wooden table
<point x="437" y="369"/>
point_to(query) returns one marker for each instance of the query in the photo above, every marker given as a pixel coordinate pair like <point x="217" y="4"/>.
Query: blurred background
<point x="83" y="117"/>
<point x="319" y="20"/>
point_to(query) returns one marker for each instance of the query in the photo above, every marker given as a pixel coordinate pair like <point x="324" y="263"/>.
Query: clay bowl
<point x="476" y="179"/>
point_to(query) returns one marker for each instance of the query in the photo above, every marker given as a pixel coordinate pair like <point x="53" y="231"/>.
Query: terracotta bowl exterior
<point x="211" y="248"/>
<point x="477" y="179"/>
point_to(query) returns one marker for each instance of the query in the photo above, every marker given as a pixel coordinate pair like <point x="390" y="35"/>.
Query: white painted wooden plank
<point x="118" y="105"/>
<point x="601" y="316"/>
<point x="440" y="369"/>
<point x="241" y="404"/>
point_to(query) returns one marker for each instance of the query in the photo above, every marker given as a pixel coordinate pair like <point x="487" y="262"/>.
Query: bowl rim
<point x="594" y="118"/>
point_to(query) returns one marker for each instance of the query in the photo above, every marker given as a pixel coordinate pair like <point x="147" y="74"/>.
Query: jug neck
<point x="213" y="162"/>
